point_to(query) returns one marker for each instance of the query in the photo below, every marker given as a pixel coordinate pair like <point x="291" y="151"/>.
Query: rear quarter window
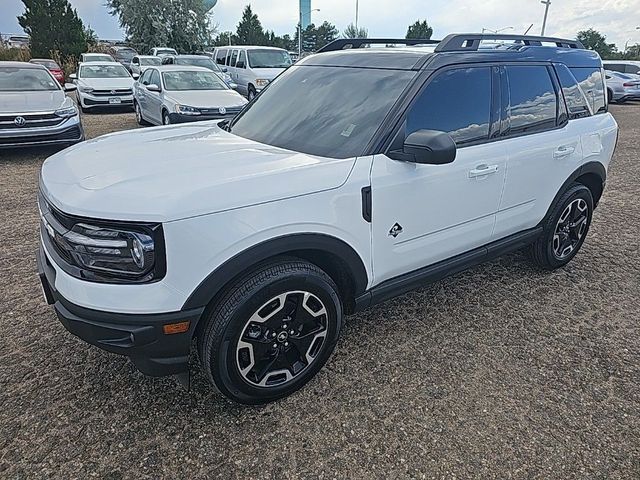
<point x="591" y="83"/>
<point x="577" y="104"/>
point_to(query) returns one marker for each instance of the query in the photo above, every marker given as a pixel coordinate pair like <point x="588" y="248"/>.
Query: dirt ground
<point x="500" y="372"/>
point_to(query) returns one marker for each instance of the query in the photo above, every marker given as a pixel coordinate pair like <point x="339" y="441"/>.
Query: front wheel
<point x="166" y="120"/>
<point x="272" y="332"/>
<point x="252" y="93"/>
<point x="565" y="229"/>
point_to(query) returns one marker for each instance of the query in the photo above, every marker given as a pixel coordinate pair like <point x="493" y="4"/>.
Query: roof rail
<point x="348" y="43"/>
<point x="466" y="42"/>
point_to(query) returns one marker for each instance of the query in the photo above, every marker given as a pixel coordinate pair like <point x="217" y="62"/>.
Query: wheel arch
<point x="592" y="175"/>
<point x="334" y="256"/>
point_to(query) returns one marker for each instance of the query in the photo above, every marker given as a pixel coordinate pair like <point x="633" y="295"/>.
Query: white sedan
<point x="102" y="84"/>
<point x="178" y="94"/>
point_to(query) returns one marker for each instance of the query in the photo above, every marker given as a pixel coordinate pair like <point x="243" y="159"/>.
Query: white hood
<point x="170" y="173"/>
<point x="107" y="83"/>
<point x="25" y="102"/>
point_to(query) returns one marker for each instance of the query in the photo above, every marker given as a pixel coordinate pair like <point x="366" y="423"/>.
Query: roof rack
<point x="348" y="43"/>
<point x="468" y="42"/>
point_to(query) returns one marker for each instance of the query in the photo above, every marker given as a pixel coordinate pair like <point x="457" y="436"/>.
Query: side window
<point x="234" y="57"/>
<point x="577" y="103"/>
<point x="227" y="59"/>
<point x="221" y="55"/>
<point x="155" y="78"/>
<point x="634" y="69"/>
<point x="533" y="105"/>
<point x="457" y="102"/>
<point x="592" y="85"/>
<point x="242" y="60"/>
<point x="146" y="76"/>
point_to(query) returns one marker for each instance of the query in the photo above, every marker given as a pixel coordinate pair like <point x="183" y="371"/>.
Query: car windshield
<point x="150" y="61"/>
<point x="103" y="71"/>
<point x="50" y="64"/>
<point x="326" y="111"/>
<point x="181" y="81"/>
<point x="98" y="58"/>
<point x="125" y="55"/>
<point x="196" y="62"/>
<point x="268" y="58"/>
<point x="26" y="80"/>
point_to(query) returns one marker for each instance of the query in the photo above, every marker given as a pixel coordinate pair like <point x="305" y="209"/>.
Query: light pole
<point x="547" y="4"/>
<point x="300" y="29"/>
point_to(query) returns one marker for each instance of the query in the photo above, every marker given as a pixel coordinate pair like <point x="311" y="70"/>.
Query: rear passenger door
<point x="544" y="148"/>
<point x="242" y="78"/>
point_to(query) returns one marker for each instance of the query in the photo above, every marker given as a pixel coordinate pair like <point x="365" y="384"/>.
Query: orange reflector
<point x="174" y="328"/>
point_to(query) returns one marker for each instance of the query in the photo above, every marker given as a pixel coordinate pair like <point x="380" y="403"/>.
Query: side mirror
<point x="73" y="76"/>
<point x="225" y="69"/>
<point x="136" y="76"/>
<point x="154" y="88"/>
<point x="239" y="65"/>
<point x="233" y="86"/>
<point x="70" y="87"/>
<point x="428" y="147"/>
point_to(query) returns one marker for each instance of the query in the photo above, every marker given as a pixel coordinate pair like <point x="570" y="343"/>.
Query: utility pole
<point x="547" y="4"/>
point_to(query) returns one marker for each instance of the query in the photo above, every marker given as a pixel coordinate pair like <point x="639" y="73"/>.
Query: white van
<point x="252" y="68"/>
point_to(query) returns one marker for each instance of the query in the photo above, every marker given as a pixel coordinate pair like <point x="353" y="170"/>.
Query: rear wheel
<point x="565" y="229"/>
<point x="272" y="332"/>
<point x="610" y="95"/>
<point x="139" y="118"/>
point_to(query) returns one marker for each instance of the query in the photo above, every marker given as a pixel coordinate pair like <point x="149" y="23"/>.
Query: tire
<point x="610" y="96"/>
<point x="565" y="229"/>
<point x="297" y="318"/>
<point x="166" y="120"/>
<point x="252" y="93"/>
<point x="139" y="118"/>
<point x="82" y="108"/>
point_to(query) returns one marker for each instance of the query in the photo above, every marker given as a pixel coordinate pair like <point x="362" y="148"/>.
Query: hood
<point x="170" y="173"/>
<point x="208" y="98"/>
<point x="108" y="83"/>
<point x="25" y="102"/>
<point x="268" y="73"/>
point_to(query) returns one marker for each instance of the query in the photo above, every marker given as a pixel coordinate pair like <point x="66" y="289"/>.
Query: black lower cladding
<point x="180" y="118"/>
<point x="72" y="134"/>
<point x="139" y="337"/>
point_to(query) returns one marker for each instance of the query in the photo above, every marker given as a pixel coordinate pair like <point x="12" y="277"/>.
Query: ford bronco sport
<point x="357" y="175"/>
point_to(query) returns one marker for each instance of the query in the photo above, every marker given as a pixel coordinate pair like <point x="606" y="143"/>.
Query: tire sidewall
<point x="223" y="364"/>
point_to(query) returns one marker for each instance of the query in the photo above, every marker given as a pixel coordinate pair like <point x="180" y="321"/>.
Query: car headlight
<point x="66" y="112"/>
<point x="185" y="110"/>
<point x="85" y="89"/>
<point x="262" y="82"/>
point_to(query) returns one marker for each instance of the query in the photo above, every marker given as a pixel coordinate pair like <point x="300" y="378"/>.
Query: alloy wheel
<point x="282" y="339"/>
<point x="570" y="228"/>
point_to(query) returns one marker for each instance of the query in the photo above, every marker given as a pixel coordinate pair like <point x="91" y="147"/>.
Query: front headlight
<point x="185" y="110"/>
<point x="66" y="112"/>
<point x="111" y="251"/>
<point x="262" y="82"/>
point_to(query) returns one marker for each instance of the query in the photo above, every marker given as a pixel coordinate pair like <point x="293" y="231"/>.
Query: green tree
<point x="420" y="30"/>
<point x="594" y="40"/>
<point x="53" y="25"/>
<point x="352" y="32"/>
<point x="249" y="30"/>
<point x="314" y="38"/>
<point x="181" y="24"/>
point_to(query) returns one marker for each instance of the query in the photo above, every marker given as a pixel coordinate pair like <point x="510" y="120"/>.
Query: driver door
<point x="424" y="214"/>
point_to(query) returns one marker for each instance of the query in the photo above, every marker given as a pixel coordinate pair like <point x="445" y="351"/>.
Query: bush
<point x="15" y="54"/>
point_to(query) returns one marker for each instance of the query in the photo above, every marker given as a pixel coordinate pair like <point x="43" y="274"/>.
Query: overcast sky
<point x="617" y="19"/>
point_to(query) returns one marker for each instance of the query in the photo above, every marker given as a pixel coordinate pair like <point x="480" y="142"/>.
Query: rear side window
<point x="592" y="85"/>
<point x="533" y="102"/>
<point x="221" y="57"/>
<point x="614" y="67"/>
<point x="632" y="69"/>
<point x="577" y="103"/>
<point x="234" y="57"/>
<point x="457" y="102"/>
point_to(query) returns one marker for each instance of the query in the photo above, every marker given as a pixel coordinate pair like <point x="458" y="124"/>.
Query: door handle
<point x="483" y="171"/>
<point x="564" y="151"/>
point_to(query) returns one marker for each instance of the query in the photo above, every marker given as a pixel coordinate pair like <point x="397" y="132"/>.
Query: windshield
<point x="326" y="111"/>
<point x="150" y="61"/>
<point x="126" y="55"/>
<point x="26" y="80"/>
<point x="98" y="58"/>
<point x="181" y="81"/>
<point x="268" y="58"/>
<point x="196" y="62"/>
<point x="103" y="71"/>
<point x="50" y="64"/>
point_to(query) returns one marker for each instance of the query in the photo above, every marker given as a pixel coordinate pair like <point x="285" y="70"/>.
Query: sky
<point x="617" y="19"/>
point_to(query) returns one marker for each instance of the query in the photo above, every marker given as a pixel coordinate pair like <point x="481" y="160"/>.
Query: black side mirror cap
<point x="428" y="147"/>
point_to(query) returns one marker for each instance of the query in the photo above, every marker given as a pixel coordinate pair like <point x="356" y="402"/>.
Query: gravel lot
<point x="500" y="372"/>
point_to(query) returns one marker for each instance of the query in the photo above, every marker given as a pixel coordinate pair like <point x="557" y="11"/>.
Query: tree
<point x="249" y="30"/>
<point x="352" y="32"/>
<point x="181" y="24"/>
<point x="53" y="25"/>
<point x="594" y="40"/>
<point x="420" y="30"/>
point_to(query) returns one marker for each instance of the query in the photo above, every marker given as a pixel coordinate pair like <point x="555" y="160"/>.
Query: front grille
<point x="230" y="111"/>
<point x="112" y="93"/>
<point x="70" y="134"/>
<point x="31" y="120"/>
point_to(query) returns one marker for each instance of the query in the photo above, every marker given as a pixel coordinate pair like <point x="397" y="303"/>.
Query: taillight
<point x="629" y="84"/>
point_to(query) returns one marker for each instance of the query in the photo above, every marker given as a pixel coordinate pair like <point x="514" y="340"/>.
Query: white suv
<point x="356" y="176"/>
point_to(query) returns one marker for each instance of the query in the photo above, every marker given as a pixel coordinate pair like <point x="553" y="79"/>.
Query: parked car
<point x="252" y="68"/>
<point x="161" y="51"/>
<point x="34" y="109"/>
<point x="103" y="85"/>
<point x="96" y="57"/>
<point x="124" y="55"/>
<point x="354" y="177"/>
<point x="622" y="66"/>
<point x="200" y="61"/>
<point x="622" y="87"/>
<point x="179" y="94"/>
<point x="139" y="64"/>
<point x="18" y="41"/>
<point x="52" y="66"/>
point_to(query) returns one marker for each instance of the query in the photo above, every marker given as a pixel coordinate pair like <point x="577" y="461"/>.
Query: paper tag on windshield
<point x="349" y="130"/>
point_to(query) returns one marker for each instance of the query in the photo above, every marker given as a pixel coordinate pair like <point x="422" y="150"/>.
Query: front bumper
<point x="139" y="337"/>
<point x="88" y="100"/>
<point x="180" y="118"/>
<point x="68" y="132"/>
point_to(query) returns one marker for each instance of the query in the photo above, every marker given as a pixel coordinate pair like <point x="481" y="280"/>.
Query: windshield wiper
<point x="225" y="125"/>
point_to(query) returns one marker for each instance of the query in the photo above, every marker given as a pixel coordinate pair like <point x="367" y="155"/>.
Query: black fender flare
<point x="591" y="167"/>
<point x="221" y="276"/>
